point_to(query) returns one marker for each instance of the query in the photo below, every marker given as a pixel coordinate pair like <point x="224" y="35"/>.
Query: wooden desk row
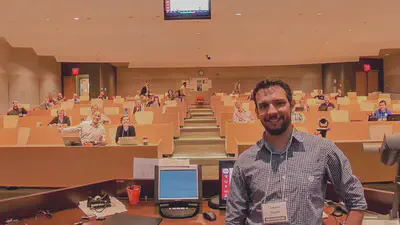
<point x="157" y="134"/>
<point x="173" y="115"/>
<point x="63" y="204"/>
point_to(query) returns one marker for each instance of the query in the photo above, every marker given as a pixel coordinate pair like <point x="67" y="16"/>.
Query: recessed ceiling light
<point x="326" y="42"/>
<point x="387" y="54"/>
<point x="319" y="14"/>
<point x="88" y="18"/>
<point x="238" y="14"/>
<point x="48" y="19"/>
<point x="131" y="17"/>
<point x="198" y="33"/>
<point x="76" y="18"/>
<point x="349" y="30"/>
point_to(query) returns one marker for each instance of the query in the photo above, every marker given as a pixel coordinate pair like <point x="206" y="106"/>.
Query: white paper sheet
<point x="144" y="168"/>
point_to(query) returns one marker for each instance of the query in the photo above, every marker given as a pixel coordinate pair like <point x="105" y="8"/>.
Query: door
<point x="364" y="84"/>
<point x="84" y="87"/>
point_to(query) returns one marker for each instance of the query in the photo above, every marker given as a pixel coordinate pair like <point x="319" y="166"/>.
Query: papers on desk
<point x="116" y="207"/>
<point x="143" y="169"/>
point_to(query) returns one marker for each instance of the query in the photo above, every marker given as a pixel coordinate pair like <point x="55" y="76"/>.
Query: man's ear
<point x="292" y="104"/>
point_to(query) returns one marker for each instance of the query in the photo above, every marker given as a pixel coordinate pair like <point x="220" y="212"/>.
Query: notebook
<point x="127" y="141"/>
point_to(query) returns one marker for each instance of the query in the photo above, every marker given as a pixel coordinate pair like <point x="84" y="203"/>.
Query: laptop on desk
<point x="72" y="141"/>
<point x="127" y="141"/>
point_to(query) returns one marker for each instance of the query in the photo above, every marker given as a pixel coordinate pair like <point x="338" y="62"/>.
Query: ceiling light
<point x="238" y="14"/>
<point x="387" y="54"/>
<point x="48" y="19"/>
<point x="326" y="42"/>
<point x="319" y="14"/>
<point x="349" y="30"/>
<point x="76" y="18"/>
<point x="88" y="18"/>
<point x="198" y="33"/>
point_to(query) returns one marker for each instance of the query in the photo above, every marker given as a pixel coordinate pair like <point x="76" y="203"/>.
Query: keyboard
<point x="178" y="212"/>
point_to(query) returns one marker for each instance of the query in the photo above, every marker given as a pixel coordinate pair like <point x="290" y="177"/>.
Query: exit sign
<point x="75" y="71"/>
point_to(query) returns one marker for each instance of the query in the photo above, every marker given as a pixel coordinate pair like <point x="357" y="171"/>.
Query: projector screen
<point x="187" y="9"/>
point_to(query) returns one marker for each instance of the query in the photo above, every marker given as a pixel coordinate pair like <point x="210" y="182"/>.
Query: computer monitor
<point x="393" y="117"/>
<point x="225" y="176"/>
<point x="178" y="184"/>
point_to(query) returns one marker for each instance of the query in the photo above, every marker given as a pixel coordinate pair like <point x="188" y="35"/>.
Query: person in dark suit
<point x="145" y="90"/>
<point x="125" y="129"/>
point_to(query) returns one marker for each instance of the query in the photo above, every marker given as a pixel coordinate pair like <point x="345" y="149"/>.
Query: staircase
<point x="200" y="141"/>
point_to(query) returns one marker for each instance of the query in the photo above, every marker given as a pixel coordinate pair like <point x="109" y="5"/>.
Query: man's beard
<point x="285" y="125"/>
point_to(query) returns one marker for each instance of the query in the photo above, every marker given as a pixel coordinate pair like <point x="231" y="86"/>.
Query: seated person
<point x="339" y="94"/>
<point x="170" y="95"/>
<point x="103" y="120"/>
<point x="382" y="112"/>
<point x="301" y="106"/>
<point x="326" y="106"/>
<point x="75" y="99"/>
<point x="138" y="105"/>
<point x="61" y="119"/>
<point x="51" y="100"/>
<point x="242" y="116"/>
<point x="17" y="110"/>
<point x="154" y="103"/>
<point x="91" y="132"/>
<point x="102" y="95"/>
<point x="320" y="96"/>
<point x="60" y="97"/>
<point x="125" y="129"/>
<point x="46" y="104"/>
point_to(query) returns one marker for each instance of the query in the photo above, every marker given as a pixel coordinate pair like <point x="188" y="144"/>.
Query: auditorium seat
<point x="84" y="98"/>
<point x="367" y="106"/>
<point x="10" y="121"/>
<point x="340" y="116"/>
<point x="144" y="117"/>
<point x="98" y="102"/>
<point x="111" y="111"/>
<point x="84" y="111"/>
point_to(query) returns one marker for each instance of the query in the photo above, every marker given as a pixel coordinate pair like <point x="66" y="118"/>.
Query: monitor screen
<point x="187" y="9"/>
<point x="178" y="183"/>
<point x="225" y="176"/>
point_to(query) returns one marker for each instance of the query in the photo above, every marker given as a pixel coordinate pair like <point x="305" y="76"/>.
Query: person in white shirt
<point x="104" y="119"/>
<point x="242" y="116"/>
<point x="75" y="99"/>
<point x="91" y="132"/>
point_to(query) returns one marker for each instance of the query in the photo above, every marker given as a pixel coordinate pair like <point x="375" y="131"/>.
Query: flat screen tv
<point x="187" y="9"/>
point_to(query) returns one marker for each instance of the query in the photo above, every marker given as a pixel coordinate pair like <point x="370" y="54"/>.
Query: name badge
<point x="274" y="213"/>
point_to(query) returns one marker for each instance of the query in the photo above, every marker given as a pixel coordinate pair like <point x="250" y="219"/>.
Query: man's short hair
<point x="382" y="101"/>
<point x="269" y="83"/>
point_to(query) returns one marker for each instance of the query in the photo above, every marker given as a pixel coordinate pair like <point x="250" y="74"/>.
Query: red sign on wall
<point x="367" y="68"/>
<point x="75" y="71"/>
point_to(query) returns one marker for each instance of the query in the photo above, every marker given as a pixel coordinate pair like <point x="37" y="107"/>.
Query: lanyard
<point x="284" y="176"/>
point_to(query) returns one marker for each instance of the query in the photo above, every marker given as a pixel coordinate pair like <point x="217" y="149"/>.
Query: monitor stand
<point x="179" y="210"/>
<point x="214" y="203"/>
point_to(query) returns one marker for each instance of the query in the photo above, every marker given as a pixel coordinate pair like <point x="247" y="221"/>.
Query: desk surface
<point x="148" y="209"/>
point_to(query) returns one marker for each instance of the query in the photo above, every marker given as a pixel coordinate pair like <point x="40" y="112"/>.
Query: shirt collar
<point x="295" y="137"/>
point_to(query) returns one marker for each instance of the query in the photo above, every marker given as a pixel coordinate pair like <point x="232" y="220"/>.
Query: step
<point x="199" y="141"/>
<point x="199" y="124"/>
<point x="200" y="132"/>
<point x="194" y="106"/>
<point x="202" y="114"/>
<point x="200" y="110"/>
<point x="200" y="120"/>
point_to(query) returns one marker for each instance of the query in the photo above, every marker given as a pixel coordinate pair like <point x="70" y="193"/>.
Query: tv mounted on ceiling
<point x="187" y="9"/>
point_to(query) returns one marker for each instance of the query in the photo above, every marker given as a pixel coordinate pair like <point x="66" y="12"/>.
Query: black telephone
<point x="99" y="202"/>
